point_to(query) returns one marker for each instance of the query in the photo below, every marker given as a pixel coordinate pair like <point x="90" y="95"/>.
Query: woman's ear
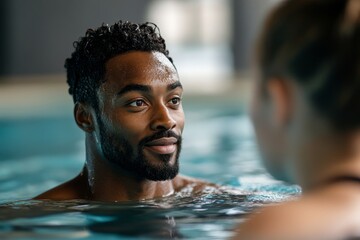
<point x="281" y="96"/>
<point x="83" y="117"/>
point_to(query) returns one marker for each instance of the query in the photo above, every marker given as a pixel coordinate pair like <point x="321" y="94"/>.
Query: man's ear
<point x="83" y="117"/>
<point x="281" y="97"/>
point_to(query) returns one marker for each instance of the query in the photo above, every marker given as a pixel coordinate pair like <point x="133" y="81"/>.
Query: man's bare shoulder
<point x="77" y="188"/>
<point x="73" y="189"/>
<point x="328" y="214"/>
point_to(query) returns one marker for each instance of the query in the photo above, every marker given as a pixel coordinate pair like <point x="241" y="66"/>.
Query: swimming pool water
<point x="218" y="146"/>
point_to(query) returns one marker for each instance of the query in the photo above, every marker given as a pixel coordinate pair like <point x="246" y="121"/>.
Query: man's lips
<point x="166" y="145"/>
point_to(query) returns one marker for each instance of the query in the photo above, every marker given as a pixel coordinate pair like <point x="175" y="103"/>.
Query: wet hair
<point x="86" y="66"/>
<point x="317" y="44"/>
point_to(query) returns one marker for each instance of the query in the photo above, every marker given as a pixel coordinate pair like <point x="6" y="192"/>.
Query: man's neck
<point x="107" y="186"/>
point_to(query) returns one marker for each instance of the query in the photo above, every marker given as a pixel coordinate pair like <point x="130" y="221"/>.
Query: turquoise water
<point x="40" y="152"/>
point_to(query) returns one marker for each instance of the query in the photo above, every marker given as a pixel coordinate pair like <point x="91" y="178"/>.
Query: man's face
<point x="140" y="118"/>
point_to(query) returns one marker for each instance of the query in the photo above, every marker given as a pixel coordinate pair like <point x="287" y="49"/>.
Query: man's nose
<point x="162" y="119"/>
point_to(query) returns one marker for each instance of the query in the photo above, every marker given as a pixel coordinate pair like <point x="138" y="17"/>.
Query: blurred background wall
<point x="37" y="35"/>
<point x="206" y="37"/>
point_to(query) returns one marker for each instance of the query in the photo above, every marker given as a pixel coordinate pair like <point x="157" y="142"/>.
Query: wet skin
<point x="133" y="139"/>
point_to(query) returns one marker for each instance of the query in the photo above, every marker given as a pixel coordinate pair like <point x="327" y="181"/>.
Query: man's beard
<point x="118" y="151"/>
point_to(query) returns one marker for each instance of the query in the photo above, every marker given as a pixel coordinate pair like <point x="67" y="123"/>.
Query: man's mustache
<point x="158" y="135"/>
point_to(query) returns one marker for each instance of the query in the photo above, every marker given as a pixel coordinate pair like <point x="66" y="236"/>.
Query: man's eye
<point x="137" y="103"/>
<point x="175" y="101"/>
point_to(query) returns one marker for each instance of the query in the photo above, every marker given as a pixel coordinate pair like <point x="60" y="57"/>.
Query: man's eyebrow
<point x="134" y="87"/>
<point x="174" y="85"/>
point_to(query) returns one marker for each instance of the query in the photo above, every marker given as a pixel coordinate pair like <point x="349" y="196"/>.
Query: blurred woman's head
<point x="308" y="81"/>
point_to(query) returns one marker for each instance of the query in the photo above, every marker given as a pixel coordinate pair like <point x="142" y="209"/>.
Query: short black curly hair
<point x="86" y="66"/>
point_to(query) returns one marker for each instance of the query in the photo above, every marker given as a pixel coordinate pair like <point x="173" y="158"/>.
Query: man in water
<point x="128" y="102"/>
<point x="307" y="97"/>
